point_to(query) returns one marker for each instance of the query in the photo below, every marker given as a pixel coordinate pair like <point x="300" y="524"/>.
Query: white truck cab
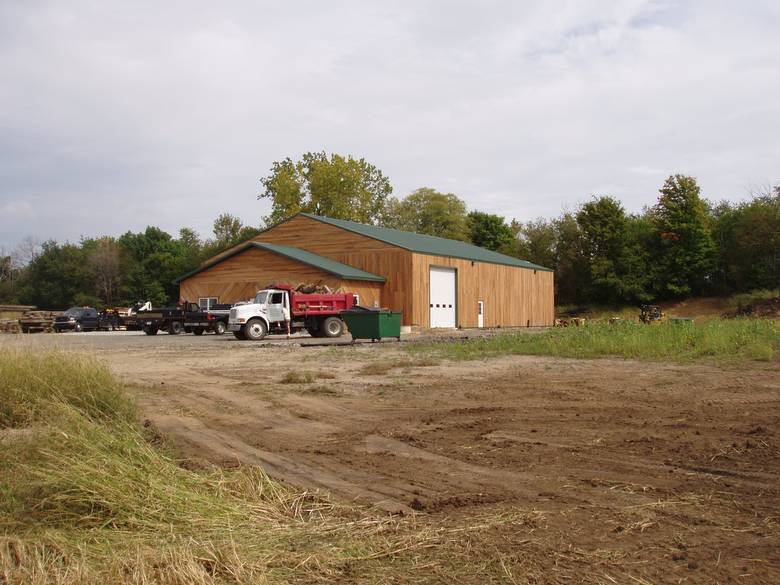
<point x="254" y="320"/>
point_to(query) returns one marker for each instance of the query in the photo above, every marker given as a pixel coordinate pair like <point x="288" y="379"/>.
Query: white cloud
<point x="118" y="115"/>
<point x="16" y="211"/>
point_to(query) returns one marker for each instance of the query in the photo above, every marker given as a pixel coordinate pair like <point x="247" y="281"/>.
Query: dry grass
<point x="87" y="497"/>
<point x="294" y="377"/>
<point x="381" y="368"/>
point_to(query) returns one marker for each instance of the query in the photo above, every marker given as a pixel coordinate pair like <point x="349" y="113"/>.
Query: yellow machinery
<point x="651" y="314"/>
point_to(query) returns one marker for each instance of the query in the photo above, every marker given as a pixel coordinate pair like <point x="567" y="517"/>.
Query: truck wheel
<point x="77" y="327"/>
<point x="175" y="328"/>
<point x="198" y="331"/>
<point x="150" y="330"/>
<point x="332" y="327"/>
<point x="255" y="330"/>
<point x="239" y="335"/>
<point x="219" y="328"/>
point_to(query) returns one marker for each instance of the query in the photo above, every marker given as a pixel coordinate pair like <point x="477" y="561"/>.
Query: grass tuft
<point x="383" y="367"/>
<point x="32" y="382"/>
<point x="294" y="377"/>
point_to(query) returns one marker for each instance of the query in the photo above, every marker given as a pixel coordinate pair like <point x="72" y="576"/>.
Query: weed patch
<point x="734" y="341"/>
<point x="383" y="367"/>
<point x="294" y="377"/>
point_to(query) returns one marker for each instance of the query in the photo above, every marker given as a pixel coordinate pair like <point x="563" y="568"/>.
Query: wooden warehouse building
<point x="435" y="282"/>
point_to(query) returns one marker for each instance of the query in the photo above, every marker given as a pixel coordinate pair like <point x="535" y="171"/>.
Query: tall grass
<point x="86" y="497"/>
<point x="83" y="492"/>
<point x="735" y="341"/>
<point x="30" y="383"/>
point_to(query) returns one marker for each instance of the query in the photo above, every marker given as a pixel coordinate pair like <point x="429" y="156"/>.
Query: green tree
<point x="571" y="266"/>
<point x="11" y="279"/>
<point x="190" y="239"/>
<point x="152" y="260"/>
<point x="59" y="277"/>
<point x="491" y="231"/>
<point x="103" y="257"/>
<point x="336" y="186"/>
<point x="748" y="240"/>
<point x="536" y="241"/>
<point x="427" y="211"/>
<point x="227" y="229"/>
<point x="602" y="223"/>
<point x="611" y="244"/>
<point x="686" y="248"/>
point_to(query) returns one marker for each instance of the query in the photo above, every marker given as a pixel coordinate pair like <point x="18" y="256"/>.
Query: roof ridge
<point x="439" y="245"/>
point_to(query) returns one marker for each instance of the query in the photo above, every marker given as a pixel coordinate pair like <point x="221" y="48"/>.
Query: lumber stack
<point x="14" y="311"/>
<point x="10" y="326"/>
<point x="33" y="321"/>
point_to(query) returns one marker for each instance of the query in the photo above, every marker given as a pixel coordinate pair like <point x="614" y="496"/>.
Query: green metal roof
<point x="343" y="271"/>
<point x="423" y="244"/>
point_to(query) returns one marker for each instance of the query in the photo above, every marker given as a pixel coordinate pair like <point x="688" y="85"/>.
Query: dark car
<point x="78" y="319"/>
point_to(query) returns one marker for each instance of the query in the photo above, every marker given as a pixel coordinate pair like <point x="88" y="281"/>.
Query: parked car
<point x="84" y="319"/>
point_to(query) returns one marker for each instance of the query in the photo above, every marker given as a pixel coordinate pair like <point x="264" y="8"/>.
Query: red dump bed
<point x="304" y="305"/>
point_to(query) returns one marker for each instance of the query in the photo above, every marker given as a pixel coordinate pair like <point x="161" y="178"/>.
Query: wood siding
<point x="368" y="254"/>
<point x="240" y="277"/>
<point x="513" y="297"/>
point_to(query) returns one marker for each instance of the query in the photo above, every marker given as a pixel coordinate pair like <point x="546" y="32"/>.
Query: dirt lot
<point x="621" y="472"/>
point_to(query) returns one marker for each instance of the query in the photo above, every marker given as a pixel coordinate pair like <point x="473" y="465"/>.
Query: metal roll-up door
<point x="443" y="305"/>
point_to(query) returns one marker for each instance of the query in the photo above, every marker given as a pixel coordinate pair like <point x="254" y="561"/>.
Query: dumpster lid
<point x="362" y="309"/>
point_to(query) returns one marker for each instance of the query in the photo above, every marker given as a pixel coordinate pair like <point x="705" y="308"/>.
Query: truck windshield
<point x="74" y="312"/>
<point x="261" y="297"/>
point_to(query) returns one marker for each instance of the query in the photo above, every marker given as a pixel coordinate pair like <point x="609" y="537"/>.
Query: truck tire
<point x="198" y="331"/>
<point x="219" y="328"/>
<point x="332" y="327"/>
<point x="255" y="330"/>
<point x="150" y="330"/>
<point x="175" y="328"/>
<point x="239" y="335"/>
<point x="77" y="327"/>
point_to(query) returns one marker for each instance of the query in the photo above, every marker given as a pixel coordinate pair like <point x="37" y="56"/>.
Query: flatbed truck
<point x="183" y="318"/>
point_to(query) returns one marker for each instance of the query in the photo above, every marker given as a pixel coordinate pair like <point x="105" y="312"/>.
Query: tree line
<point x="682" y="245"/>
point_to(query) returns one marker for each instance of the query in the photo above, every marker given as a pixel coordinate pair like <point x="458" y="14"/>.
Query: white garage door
<point x="443" y="305"/>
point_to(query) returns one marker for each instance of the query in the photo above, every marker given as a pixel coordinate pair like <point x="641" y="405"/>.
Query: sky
<point x="118" y="115"/>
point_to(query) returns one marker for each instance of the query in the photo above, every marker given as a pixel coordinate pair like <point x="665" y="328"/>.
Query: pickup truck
<point x="85" y="319"/>
<point x="319" y="314"/>
<point x="182" y="318"/>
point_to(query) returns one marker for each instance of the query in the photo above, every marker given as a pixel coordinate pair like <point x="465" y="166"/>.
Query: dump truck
<point x="317" y="313"/>
<point x="182" y="318"/>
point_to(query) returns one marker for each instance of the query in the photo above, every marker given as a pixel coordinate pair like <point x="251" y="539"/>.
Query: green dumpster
<point x="373" y="324"/>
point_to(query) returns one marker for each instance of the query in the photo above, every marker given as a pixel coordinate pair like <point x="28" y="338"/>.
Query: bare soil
<point x="620" y="471"/>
